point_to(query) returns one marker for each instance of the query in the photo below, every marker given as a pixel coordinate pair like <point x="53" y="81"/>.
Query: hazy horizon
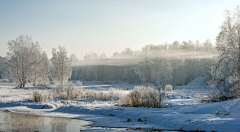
<point x="108" y="26"/>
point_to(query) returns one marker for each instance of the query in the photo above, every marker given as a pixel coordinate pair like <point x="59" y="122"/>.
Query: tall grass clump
<point x="142" y="96"/>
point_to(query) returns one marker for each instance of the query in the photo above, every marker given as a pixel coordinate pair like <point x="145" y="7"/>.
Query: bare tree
<point x="62" y="70"/>
<point x="208" y="45"/>
<point x="36" y="69"/>
<point x="23" y="55"/>
<point x="4" y="69"/>
<point x="226" y="73"/>
<point x="44" y="70"/>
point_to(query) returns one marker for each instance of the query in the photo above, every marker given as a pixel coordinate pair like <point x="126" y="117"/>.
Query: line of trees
<point x="170" y="63"/>
<point x="27" y="63"/>
<point x="157" y="71"/>
<point x="155" y="51"/>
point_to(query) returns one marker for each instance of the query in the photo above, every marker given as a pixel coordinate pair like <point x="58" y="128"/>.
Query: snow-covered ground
<point x="183" y="111"/>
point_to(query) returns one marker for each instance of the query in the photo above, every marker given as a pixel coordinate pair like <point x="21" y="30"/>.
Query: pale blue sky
<point x="84" y="26"/>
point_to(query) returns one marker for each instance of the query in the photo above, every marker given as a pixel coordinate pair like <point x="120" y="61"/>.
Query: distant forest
<point x="176" y="64"/>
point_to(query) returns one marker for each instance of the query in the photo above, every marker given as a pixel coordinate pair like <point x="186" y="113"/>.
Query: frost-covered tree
<point x="23" y="55"/>
<point x="3" y="65"/>
<point x="61" y="63"/>
<point x="74" y="60"/>
<point x="127" y="52"/>
<point x="197" y="45"/>
<point x="103" y="56"/>
<point x="208" y="46"/>
<point x="91" y="57"/>
<point x="226" y="73"/>
<point x="45" y="67"/>
<point x="116" y="54"/>
<point x="36" y="69"/>
<point x="41" y="71"/>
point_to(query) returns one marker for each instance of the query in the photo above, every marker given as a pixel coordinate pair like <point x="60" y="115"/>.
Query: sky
<point x="106" y="26"/>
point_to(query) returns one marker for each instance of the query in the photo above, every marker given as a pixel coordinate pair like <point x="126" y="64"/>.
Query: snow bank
<point x="198" y="81"/>
<point x="220" y="116"/>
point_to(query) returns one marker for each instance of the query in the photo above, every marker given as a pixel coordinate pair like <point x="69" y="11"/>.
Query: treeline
<point x="157" y="71"/>
<point x="182" y="49"/>
<point x="175" y="63"/>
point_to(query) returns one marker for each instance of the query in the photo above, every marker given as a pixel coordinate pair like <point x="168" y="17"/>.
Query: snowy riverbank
<point x="182" y="113"/>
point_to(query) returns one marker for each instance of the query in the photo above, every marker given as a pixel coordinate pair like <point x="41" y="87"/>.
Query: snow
<point x="101" y="86"/>
<point x="182" y="112"/>
<point x="198" y="81"/>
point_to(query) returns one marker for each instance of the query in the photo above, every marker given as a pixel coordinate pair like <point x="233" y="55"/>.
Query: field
<point x="182" y="111"/>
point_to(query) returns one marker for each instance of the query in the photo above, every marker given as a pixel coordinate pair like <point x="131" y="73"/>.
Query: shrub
<point x="102" y="96"/>
<point x="70" y="91"/>
<point x="112" y="93"/>
<point x="144" y="96"/>
<point x="4" y="80"/>
<point x="217" y="96"/>
<point x="59" y="89"/>
<point x="41" y="96"/>
<point x="78" y="83"/>
<point x="37" y="96"/>
<point x="97" y="95"/>
<point x="91" y="94"/>
<point x="40" y="82"/>
<point x="169" y="88"/>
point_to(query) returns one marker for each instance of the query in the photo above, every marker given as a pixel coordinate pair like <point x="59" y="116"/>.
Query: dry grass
<point x="144" y="96"/>
<point x="40" y="96"/>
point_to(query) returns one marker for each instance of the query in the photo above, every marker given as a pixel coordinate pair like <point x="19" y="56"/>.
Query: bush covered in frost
<point x="78" y="83"/>
<point x="112" y="93"/>
<point x="144" y="96"/>
<point x="41" y="82"/>
<point x="40" y="96"/>
<point x="73" y="92"/>
<point x="169" y="88"/>
<point x="70" y="91"/>
<point x="4" y="80"/>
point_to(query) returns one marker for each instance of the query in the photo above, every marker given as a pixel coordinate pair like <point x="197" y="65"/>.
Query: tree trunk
<point x="238" y="51"/>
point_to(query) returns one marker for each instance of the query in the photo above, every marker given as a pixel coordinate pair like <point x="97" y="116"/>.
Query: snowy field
<point x="182" y="112"/>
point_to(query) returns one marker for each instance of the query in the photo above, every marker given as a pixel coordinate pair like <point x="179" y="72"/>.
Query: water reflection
<point x="23" y="122"/>
<point x="58" y="125"/>
<point x="29" y="123"/>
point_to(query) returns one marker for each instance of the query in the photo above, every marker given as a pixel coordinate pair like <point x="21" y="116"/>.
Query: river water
<point x="19" y="122"/>
<point x="28" y="123"/>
